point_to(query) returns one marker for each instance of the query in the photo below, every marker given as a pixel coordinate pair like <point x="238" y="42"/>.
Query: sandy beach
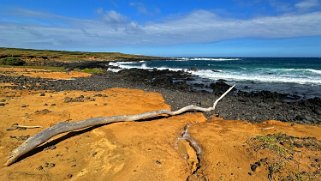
<point x="138" y="90"/>
<point x="147" y="150"/>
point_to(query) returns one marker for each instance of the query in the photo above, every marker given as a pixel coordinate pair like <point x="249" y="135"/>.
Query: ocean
<point x="297" y="76"/>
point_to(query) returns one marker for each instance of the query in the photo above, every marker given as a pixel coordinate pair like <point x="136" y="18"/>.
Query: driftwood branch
<point x="64" y="127"/>
<point x="17" y="126"/>
<point x="28" y="127"/>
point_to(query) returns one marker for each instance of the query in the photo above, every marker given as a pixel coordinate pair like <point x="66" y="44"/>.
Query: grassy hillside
<point x="32" y="56"/>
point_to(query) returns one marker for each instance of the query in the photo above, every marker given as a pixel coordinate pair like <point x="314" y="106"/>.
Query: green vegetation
<point x="274" y="168"/>
<point x="283" y="156"/>
<point x="29" y="55"/>
<point x="92" y="70"/>
<point x="285" y="145"/>
<point x="11" y="61"/>
<point x="55" y="69"/>
<point x="279" y="143"/>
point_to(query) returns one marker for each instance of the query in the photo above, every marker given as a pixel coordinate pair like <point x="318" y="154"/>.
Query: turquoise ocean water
<point x="300" y="76"/>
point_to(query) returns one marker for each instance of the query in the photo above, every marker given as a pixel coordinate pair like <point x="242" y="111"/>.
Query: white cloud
<point x="307" y="4"/>
<point x="114" y="17"/>
<point x="115" y="29"/>
<point x="142" y="9"/>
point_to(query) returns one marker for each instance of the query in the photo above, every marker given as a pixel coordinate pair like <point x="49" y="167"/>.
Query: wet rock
<point x="206" y="103"/>
<point x="299" y="117"/>
<point x="262" y="104"/>
<point x="254" y="167"/>
<point x="199" y="85"/>
<point x="220" y="86"/>
<point x="193" y="69"/>
<point x="317" y="111"/>
<point x="242" y="100"/>
<point x="304" y="118"/>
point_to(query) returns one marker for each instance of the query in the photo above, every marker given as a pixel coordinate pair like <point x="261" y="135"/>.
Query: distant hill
<point x="46" y="56"/>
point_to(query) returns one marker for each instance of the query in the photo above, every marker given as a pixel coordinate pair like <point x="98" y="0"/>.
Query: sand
<point x="41" y="73"/>
<point x="148" y="150"/>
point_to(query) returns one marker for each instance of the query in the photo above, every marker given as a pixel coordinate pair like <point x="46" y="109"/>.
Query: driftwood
<point x="64" y="127"/>
<point x="17" y="126"/>
<point x="28" y="127"/>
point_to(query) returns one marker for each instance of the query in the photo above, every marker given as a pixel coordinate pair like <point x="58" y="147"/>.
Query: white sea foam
<point x="296" y="71"/>
<point x="256" y="77"/>
<point x="260" y="75"/>
<point x="114" y="69"/>
<point x="127" y="65"/>
<point x="314" y="71"/>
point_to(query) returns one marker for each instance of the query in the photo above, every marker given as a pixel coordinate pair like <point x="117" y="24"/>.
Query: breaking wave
<point x="307" y="76"/>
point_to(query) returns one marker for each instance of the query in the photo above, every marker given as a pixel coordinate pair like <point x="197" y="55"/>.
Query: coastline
<point x="147" y="150"/>
<point x="238" y="105"/>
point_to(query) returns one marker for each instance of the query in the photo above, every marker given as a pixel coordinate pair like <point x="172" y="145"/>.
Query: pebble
<point x="49" y="165"/>
<point x="67" y="100"/>
<point x="69" y="176"/>
<point x="44" y="111"/>
<point x="158" y="162"/>
<point x="253" y="167"/>
<point x="317" y="111"/>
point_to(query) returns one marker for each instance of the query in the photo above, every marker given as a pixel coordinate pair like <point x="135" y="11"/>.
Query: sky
<point x="226" y="28"/>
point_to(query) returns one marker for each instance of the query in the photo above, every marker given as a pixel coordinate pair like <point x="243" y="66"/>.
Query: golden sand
<point x="148" y="150"/>
<point x="41" y="73"/>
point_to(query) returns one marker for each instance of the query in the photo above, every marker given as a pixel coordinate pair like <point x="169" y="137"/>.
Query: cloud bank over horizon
<point x="26" y="28"/>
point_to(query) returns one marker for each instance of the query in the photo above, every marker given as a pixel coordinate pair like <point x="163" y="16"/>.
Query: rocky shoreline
<point x="179" y="89"/>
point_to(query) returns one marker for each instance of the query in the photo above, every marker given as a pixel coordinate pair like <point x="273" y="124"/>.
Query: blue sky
<point x="166" y="28"/>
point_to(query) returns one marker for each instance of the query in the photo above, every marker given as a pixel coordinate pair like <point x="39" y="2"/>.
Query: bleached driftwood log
<point x="64" y="127"/>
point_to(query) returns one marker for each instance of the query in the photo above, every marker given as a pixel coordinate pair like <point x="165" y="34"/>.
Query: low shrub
<point x="12" y="61"/>
<point x="93" y="70"/>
